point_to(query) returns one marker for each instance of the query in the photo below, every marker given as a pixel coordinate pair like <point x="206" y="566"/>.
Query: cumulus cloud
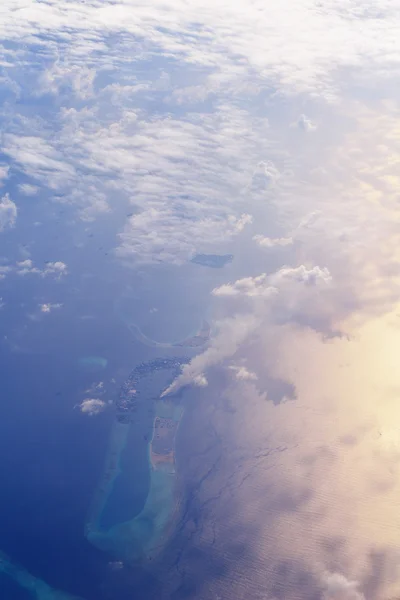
<point x="92" y="406"/>
<point x="265" y="175"/>
<point x="267" y="242"/>
<point x="267" y="286"/>
<point x="52" y="269"/>
<point x="231" y="334"/>
<point x="290" y="293"/>
<point x="58" y="269"/>
<point x="247" y="286"/>
<point x="25" y="267"/>
<point x="8" y="213"/>
<point x="242" y="373"/>
<point x="48" y="307"/>
<point x="337" y="587"/>
<point x="323" y="39"/>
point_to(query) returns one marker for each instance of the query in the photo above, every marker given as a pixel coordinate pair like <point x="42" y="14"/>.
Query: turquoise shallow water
<point x="93" y="362"/>
<point x="131" y="486"/>
<point x="142" y="536"/>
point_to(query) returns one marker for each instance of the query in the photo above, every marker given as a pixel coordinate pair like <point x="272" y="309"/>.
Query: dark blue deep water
<point x="52" y="454"/>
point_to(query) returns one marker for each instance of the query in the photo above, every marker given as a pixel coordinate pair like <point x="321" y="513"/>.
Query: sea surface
<point x="53" y="454"/>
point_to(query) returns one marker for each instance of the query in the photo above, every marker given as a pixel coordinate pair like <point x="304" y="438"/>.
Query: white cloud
<point x="8" y="212"/>
<point x="78" y="79"/>
<point x="48" y="307"/>
<point x="310" y="277"/>
<point x="4" y="269"/>
<point x="92" y="406"/>
<point x="338" y="587"/>
<point x="231" y="334"/>
<point x="247" y="286"/>
<point x="4" y="169"/>
<point x="306" y="124"/>
<point x="298" y="44"/>
<point x="242" y="373"/>
<point x="28" y="189"/>
<point x="290" y="293"/>
<point x="266" y="175"/>
<point x="267" y="242"/>
<point x="239" y="223"/>
<point x="200" y="380"/>
<point x="267" y="286"/>
<point x="25" y="264"/>
<point x="58" y="269"/>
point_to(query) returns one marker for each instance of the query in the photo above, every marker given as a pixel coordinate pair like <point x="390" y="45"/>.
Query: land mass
<point x="215" y="261"/>
<point x="142" y="536"/>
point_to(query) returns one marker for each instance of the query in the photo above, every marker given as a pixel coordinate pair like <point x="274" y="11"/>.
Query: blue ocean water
<point x="131" y="486"/>
<point x="52" y="454"/>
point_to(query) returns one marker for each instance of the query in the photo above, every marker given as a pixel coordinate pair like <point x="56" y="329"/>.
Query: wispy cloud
<point x="267" y="242"/>
<point x="48" y="307"/>
<point x="28" y="189"/>
<point x="8" y="212"/>
<point x="4" y="170"/>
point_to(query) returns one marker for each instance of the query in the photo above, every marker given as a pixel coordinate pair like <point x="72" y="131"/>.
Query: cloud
<point x="4" y="169"/>
<point x="24" y="267"/>
<point x="48" y="307"/>
<point x="306" y="124"/>
<point x="322" y="39"/>
<point x="247" y="286"/>
<point x="265" y="175"/>
<point x="28" y="189"/>
<point x="8" y="213"/>
<point x="200" y="380"/>
<point x="267" y="286"/>
<point x="292" y="293"/>
<point x="231" y="334"/>
<point x="4" y="270"/>
<point x="56" y="269"/>
<point x="240" y="223"/>
<point x="242" y="373"/>
<point x="338" y="587"/>
<point x="92" y="406"/>
<point x="266" y="242"/>
<point x="79" y="80"/>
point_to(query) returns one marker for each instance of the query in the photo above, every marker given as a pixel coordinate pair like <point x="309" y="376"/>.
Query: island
<point x="142" y="536"/>
<point x="215" y="261"/>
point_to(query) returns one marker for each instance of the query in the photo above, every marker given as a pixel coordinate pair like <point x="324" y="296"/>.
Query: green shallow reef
<point x="93" y="362"/>
<point x="141" y="537"/>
